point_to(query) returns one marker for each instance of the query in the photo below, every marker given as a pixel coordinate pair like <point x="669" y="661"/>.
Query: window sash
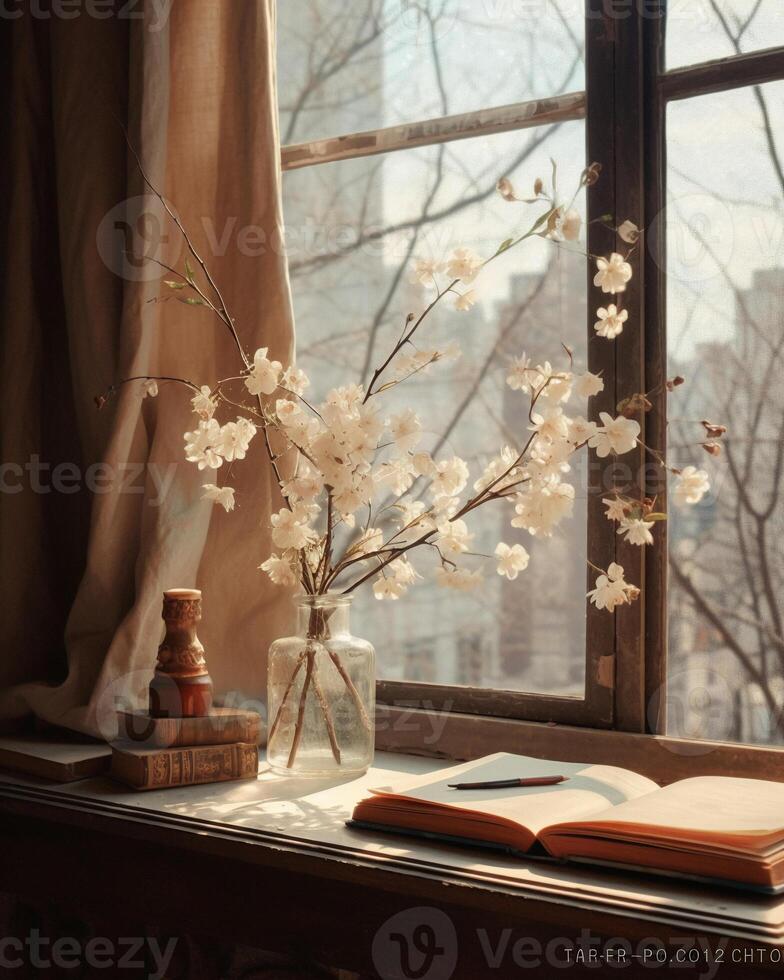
<point x="660" y="87"/>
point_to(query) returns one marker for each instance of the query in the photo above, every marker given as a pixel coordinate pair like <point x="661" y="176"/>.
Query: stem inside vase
<point x="322" y="688"/>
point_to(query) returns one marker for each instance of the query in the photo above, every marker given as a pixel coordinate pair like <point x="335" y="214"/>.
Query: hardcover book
<point x="707" y="827"/>
<point x="220" y="727"/>
<point x="56" y="759"/>
<point x="186" y="766"/>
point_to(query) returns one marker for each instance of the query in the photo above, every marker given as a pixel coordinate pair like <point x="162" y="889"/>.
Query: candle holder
<point x="181" y="687"/>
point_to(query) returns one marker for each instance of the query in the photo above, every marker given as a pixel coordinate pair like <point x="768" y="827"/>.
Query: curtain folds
<point x="99" y="512"/>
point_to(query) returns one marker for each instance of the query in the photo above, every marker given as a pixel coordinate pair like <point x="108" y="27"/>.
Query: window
<point x="397" y="118"/>
<point x="722" y="245"/>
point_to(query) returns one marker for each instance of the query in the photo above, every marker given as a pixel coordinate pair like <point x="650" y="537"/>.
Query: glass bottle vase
<point x="321" y="693"/>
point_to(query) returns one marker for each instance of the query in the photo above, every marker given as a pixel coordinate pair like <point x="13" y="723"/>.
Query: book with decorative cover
<point x="187" y="766"/>
<point x="220" y="727"/>
<point x="716" y="828"/>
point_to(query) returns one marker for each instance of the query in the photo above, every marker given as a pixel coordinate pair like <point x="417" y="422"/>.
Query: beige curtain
<point x="86" y="549"/>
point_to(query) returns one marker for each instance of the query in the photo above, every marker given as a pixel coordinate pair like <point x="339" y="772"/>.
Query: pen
<point x="505" y="783"/>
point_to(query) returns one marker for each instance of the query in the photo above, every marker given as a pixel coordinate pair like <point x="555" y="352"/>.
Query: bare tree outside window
<point x="725" y="237"/>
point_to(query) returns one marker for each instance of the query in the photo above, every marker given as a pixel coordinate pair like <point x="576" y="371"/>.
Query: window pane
<point x="726" y="336"/>
<point x="352" y="227"/>
<point x="346" y="67"/>
<point x="717" y="28"/>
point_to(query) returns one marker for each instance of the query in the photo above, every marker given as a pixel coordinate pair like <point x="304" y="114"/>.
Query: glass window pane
<point x="352" y="228"/>
<point x="710" y="29"/>
<point x="347" y="67"/>
<point x="725" y="238"/>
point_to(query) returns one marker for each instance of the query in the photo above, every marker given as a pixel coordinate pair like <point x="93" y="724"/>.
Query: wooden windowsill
<point x="271" y="862"/>
<point x="456" y="735"/>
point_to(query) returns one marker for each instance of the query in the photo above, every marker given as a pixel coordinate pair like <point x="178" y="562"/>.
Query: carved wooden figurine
<point x="181" y="687"/>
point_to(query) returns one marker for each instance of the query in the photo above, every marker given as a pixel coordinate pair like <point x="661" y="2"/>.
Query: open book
<point x="712" y="827"/>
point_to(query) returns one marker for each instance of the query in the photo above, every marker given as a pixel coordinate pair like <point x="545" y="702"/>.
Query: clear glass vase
<point x="321" y="693"/>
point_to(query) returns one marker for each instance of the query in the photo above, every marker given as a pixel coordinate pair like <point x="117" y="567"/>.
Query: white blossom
<point x="415" y="517"/>
<point x="265" y="374"/>
<point x="204" y="404"/>
<point x="343" y="400"/>
<point x="420" y="360"/>
<point x="636" y="531"/>
<point x="465" y="301"/>
<point x="691" y="486"/>
<point x="616" y="508"/>
<point x="612" y="590"/>
<point x="289" y="413"/>
<point x="551" y="424"/>
<point x="550" y="387"/>
<point x="150" y="388"/>
<point x="202" y="445"/>
<point x="617" y="435"/>
<point x="613" y="273"/>
<point x="454" y="537"/>
<point x="450" y="477"/>
<point x="551" y="459"/>
<point x="369" y="541"/>
<point x="587" y="385"/>
<point x="403" y="571"/>
<point x="305" y="485"/>
<point x="518" y="378"/>
<point x="564" y="226"/>
<point x="611" y="321"/>
<point x="496" y="468"/>
<point x="581" y="430"/>
<point x="459" y="579"/>
<point x="463" y="264"/>
<point x="235" y="438"/>
<point x="628" y="232"/>
<point x="388" y="587"/>
<point x="279" y="569"/>
<point x="295" y="380"/>
<point x="288" y="531"/>
<point x="511" y="559"/>
<point x="350" y="495"/>
<point x="423" y="464"/>
<point x="406" y="429"/>
<point x="425" y="271"/>
<point x="394" y="580"/>
<point x="541" y="508"/>
<point x="219" y="495"/>
<point x="570" y="225"/>
<point x="444" y="508"/>
<point x="398" y="474"/>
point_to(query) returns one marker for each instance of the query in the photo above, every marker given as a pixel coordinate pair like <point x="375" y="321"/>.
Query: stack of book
<point x="157" y="753"/>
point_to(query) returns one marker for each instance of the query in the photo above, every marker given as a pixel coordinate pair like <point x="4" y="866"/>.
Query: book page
<point x="734" y="812"/>
<point x="588" y="790"/>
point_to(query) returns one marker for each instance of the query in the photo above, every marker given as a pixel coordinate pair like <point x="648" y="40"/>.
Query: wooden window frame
<point x="627" y="91"/>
